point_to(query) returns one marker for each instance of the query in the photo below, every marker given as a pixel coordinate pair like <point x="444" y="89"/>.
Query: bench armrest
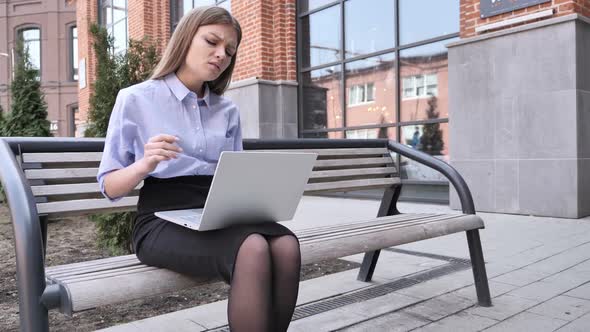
<point x="27" y="230"/>
<point x="447" y="170"/>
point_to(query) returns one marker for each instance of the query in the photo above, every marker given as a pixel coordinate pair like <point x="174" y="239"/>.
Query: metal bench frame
<point x="30" y="229"/>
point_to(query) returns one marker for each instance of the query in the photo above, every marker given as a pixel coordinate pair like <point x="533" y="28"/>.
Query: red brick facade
<point x="268" y="49"/>
<point x="470" y="16"/>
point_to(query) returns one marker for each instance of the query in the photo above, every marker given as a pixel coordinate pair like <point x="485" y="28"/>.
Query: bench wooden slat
<point x="83" y="206"/>
<point x="69" y="189"/>
<point x="96" y="264"/>
<point x="61" y="173"/>
<point x="353" y="162"/>
<point x="59" y="157"/>
<point x="134" y="280"/>
<point x="353" y="172"/>
<point x="351" y="184"/>
<point x="363" y="223"/>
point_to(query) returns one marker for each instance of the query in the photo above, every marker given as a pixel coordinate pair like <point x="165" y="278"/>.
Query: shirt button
<point x="200" y="150"/>
<point x="194" y="106"/>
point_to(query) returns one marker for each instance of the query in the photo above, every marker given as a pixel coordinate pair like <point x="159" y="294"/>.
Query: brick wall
<point x="268" y="49"/>
<point x="149" y="18"/>
<point x="470" y="16"/>
<point x="86" y="12"/>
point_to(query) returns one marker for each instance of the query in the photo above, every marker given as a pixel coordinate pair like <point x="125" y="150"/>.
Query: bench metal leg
<point x="479" y="269"/>
<point x="368" y="266"/>
<point x="43" y="220"/>
<point x="388" y="208"/>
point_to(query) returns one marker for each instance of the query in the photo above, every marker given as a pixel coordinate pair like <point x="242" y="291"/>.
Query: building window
<point x="73" y="53"/>
<point x="420" y="86"/>
<point x="113" y="16"/>
<point x="361" y="94"/>
<point x="181" y="7"/>
<point x="383" y="60"/>
<point x="31" y="38"/>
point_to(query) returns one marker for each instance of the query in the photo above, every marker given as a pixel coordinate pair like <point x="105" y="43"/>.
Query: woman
<point x="169" y="132"/>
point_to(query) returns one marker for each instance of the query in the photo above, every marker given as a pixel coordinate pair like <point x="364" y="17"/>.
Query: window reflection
<point x="424" y="82"/>
<point x="370" y="89"/>
<point x="322" y="99"/>
<point x="429" y="138"/>
<point x="74" y="56"/>
<point x="425" y="19"/>
<point x="180" y="7"/>
<point x="321" y="37"/>
<point x="114" y="19"/>
<point x="369" y="28"/>
<point x="31" y="38"/>
<point x="307" y="5"/>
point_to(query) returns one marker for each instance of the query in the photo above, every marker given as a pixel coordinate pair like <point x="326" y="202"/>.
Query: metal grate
<point x="455" y="264"/>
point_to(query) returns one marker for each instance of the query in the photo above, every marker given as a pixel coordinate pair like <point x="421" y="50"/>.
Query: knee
<point x="255" y="245"/>
<point x="287" y="247"/>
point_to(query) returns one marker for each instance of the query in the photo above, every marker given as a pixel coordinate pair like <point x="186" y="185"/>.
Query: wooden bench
<point x="52" y="177"/>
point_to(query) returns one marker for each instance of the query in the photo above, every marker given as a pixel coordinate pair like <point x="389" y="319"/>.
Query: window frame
<point x="176" y="13"/>
<point x="73" y="71"/>
<point x="110" y="27"/>
<point x="18" y="34"/>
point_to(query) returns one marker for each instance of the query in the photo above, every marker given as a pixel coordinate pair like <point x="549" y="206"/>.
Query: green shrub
<point x="115" y="72"/>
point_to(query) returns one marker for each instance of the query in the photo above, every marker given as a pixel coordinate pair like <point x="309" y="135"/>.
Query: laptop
<point x="249" y="187"/>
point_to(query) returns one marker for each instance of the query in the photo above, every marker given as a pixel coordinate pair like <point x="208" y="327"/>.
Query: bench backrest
<point x="64" y="183"/>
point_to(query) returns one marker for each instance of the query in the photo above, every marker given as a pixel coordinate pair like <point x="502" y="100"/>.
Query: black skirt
<point x="204" y="255"/>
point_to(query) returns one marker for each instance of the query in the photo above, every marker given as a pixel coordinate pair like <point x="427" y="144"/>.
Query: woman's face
<point x="211" y="51"/>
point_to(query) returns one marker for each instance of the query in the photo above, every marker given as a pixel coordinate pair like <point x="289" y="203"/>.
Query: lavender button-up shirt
<point x="205" y="127"/>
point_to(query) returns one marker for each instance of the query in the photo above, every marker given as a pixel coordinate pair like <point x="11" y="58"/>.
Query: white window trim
<point x="365" y="86"/>
<point x="415" y="88"/>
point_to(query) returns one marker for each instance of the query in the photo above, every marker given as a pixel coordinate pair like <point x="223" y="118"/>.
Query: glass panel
<point x="119" y="11"/>
<point x="321" y="37"/>
<point x="34" y="53"/>
<point x="424" y="72"/>
<point x="226" y="5"/>
<point x="321" y="98"/>
<point x="307" y="5"/>
<point x="369" y="28"/>
<point x="31" y="34"/>
<point x="75" y="53"/>
<point x="430" y="138"/>
<point x="199" y="3"/>
<point x="370" y="87"/>
<point x="120" y="34"/>
<point x="425" y="19"/>
<point x="107" y="14"/>
<point x="186" y="6"/>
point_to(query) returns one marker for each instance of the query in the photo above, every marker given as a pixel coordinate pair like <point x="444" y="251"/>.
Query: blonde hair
<point x="181" y="40"/>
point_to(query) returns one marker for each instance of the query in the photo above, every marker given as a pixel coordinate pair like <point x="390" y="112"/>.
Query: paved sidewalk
<point x="538" y="269"/>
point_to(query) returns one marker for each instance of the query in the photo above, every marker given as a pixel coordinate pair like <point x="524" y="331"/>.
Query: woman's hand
<point x="157" y="149"/>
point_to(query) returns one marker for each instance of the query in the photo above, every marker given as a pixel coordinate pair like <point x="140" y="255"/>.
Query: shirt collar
<point x="181" y="91"/>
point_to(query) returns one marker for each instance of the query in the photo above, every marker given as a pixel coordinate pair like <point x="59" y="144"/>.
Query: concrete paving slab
<point x="562" y="307"/>
<point x="504" y="306"/>
<point x="528" y="322"/>
<point x="394" y="322"/>
<point x="521" y="277"/>
<point x="460" y="322"/>
<point x="439" y="307"/>
<point x="496" y="289"/>
<point x="582" y="292"/>
<point x="581" y="324"/>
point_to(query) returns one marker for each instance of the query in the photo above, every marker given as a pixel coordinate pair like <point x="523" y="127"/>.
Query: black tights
<point x="265" y="284"/>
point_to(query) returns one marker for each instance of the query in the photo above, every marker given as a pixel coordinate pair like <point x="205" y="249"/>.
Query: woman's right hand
<point x="158" y="148"/>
